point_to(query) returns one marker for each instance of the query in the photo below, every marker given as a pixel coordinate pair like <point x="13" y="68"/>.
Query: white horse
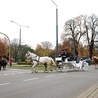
<point x="37" y="60"/>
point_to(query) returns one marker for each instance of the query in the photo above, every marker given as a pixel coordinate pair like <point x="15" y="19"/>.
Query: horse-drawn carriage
<point x="68" y="64"/>
<point x="58" y="63"/>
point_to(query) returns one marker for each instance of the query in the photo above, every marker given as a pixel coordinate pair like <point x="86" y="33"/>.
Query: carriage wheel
<point x="65" y="68"/>
<point x="85" y="66"/>
<point x="58" y="68"/>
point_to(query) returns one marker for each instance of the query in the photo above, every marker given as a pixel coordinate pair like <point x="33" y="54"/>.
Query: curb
<point x="90" y="93"/>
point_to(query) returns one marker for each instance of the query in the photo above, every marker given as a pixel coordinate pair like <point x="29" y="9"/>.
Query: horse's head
<point x="30" y="55"/>
<point x="27" y="54"/>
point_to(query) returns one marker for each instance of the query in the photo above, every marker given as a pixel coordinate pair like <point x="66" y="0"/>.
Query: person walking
<point x="10" y="62"/>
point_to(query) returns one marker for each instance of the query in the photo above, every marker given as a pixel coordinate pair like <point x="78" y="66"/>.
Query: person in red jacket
<point x="10" y="62"/>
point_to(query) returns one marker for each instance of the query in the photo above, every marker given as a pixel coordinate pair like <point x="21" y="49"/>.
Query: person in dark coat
<point x="64" y="54"/>
<point x="4" y="61"/>
<point x="0" y="62"/>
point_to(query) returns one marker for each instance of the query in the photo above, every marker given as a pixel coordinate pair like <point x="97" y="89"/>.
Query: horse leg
<point x="4" y="67"/>
<point x="95" y="66"/>
<point x="45" y="67"/>
<point x="49" y="68"/>
<point x="33" y="67"/>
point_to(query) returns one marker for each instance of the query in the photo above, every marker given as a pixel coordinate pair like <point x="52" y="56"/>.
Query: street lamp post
<point x="19" y="52"/>
<point x="56" y="28"/>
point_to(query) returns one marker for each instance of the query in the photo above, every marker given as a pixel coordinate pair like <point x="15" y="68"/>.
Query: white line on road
<point x="21" y="72"/>
<point x="28" y="72"/>
<point x="4" y="84"/>
<point x="30" y="79"/>
<point x="5" y="74"/>
<point x="63" y="73"/>
<point x="12" y="73"/>
<point x="50" y="76"/>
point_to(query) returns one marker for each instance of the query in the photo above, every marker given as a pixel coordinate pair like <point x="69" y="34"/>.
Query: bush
<point x="24" y="63"/>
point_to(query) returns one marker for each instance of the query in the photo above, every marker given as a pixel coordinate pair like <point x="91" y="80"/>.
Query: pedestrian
<point x="10" y="62"/>
<point x="0" y="62"/>
<point x="4" y="61"/>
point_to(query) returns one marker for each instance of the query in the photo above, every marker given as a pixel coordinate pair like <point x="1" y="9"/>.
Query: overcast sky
<point x="40" y="16"/>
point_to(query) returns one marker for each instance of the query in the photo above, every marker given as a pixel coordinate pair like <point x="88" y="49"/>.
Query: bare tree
<point x="46" y="45"/>
<point x="72" y="29"/>
<point x="91" y="31"/>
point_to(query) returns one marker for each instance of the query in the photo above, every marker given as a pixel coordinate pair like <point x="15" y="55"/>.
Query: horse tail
<point x="52" y="61"/>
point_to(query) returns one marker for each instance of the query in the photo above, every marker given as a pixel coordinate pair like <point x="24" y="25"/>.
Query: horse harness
<point x="38" y="60"/>
<point x="35" y="57"/>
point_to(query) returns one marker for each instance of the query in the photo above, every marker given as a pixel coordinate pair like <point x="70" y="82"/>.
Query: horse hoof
<point x="36" y="71"/>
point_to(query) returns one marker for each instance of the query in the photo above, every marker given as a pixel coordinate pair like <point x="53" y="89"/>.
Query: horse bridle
<point x="34" y="57"/>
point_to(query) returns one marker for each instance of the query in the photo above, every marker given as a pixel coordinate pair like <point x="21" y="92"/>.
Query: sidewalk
<point x="90" y="93"/>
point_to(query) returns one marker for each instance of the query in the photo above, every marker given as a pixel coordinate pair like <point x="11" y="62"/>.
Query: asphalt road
<point x="18" y="83"/>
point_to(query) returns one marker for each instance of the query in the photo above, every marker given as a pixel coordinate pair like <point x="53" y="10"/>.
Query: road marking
<point x="50" y="76"/>
<point x="4" y="84"/>
<point x="30" y="79"/>
<point x="28" y="72"/>
<point x="12" y="73"/>
<point x="63" y="73"/>
<point x="21" y="72"/>
<point x="5" y="74"/>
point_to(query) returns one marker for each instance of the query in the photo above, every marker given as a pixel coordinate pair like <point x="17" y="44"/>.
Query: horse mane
<point x="31" y="53"/>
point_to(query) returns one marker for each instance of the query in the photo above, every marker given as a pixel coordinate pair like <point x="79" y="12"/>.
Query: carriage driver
<point x="64" y="54"/>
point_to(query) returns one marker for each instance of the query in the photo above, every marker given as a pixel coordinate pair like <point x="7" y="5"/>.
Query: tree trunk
<point x="91" y="48"/>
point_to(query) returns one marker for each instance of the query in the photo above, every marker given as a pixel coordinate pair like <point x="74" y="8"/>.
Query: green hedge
<point x="23" y="63"/>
